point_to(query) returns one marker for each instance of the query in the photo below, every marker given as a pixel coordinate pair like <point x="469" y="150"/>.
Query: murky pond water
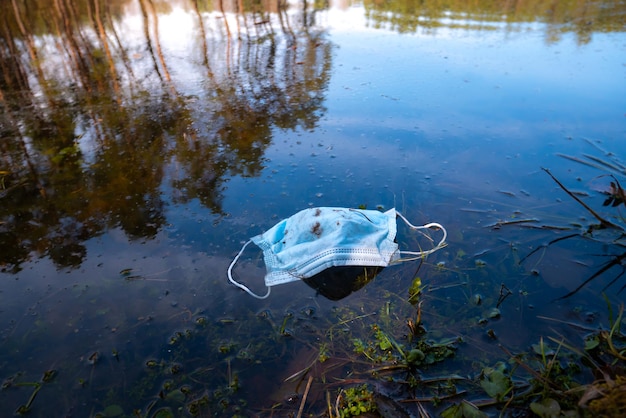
<point x="144" y="142"/>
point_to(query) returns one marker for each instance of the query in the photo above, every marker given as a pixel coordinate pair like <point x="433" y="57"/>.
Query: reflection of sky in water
<point x="480" y="112"/>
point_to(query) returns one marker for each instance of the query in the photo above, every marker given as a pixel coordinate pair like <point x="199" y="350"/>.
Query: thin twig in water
<point x="306" y="392"/>
<point x="433" y="398"/>
<point x="505" y="292"/>
<point x="337" y="402"/>
<point x="422" y="411"/>
<point x="572" y="324"/>
<point x="500" y="224"/>
<point x="578" y="160"/>
<point x="603" y="222"/>
<point x="605" y="164"/>
<point x="345" y="321"/>
<point x="328" y="405"/>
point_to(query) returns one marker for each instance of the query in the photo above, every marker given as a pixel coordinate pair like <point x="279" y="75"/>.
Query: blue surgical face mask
<point x="315" y="239"/>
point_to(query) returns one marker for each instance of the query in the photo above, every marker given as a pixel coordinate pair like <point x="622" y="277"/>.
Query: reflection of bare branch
<point x="121" y="50"/>
<point x="80" y="67"/>
<point x="554" y="241"/>
<point x="284" y="22"/>
<point x="617" y="261"/>
<point x="103" y="39"/>
<point x="240" y="10"/>
<point x="221" y="5"/>
<point x="13" y="69"/>
<point x="146" y="31"/>
<point x="157" y="41"/>
<point x="20" y="24"/>
<point x="30" y="44"/>
<point x="205" y="48"/>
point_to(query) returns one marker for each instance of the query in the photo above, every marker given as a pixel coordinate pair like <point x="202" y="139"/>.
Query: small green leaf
<point x="415" y="356"/>
<point x="176" y="396"/>
<point x="543" y="349"/>
<point x="591" y="343"/>
<point x="163" y="413"/>
<point x="547" y="408"/>
<point x="471" y="411"/>
<point x="415" y="290"/>
<point x="113" y="411"/>
<point x="463" y="410"/>
<point x="494" y="313"/>
<point x="494" y="381"/>
<point x="383" y="341"/>
<point x="453" y="411"/>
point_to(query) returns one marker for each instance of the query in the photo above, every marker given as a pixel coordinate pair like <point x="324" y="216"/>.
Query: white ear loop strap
<point x="419" y="254"/>
<point x="239" y="285"/>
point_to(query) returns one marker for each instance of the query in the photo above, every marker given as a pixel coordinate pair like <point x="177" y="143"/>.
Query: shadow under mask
<point x="336" y="283"/>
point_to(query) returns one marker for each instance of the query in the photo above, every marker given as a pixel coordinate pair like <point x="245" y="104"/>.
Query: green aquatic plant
<point x="383" y="348"/>
<point x="464" y="409"/>
<point x="415" y="290"/>
<point x="552" y="379"/>
<point x="13" y="382"/>
<point x="355" y="401"/>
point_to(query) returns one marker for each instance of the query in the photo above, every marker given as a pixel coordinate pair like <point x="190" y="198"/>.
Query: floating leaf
<point x="494" y="313"/>
<point x="415" y="356"/>
<point x="543" y="349"/>
<point x="176" y="396"/>
<point x="463" y="410"/>
<point x="547" y="408"/>
<point x="494" y="381"/>
<point x="383" y="341"/>
<point x="591" y="343"/>
<point x="163" y="413"/>
<point x="113" y="411"/>
<point x="415" y="290"/>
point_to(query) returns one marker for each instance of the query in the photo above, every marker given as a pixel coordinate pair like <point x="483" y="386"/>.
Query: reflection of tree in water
<point x="89" y="120"/>
<point x="259" y="90"/>
<point x="582" y="17"/>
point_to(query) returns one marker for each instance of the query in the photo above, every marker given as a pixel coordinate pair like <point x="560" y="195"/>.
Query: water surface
<point x="144" y="142"/>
